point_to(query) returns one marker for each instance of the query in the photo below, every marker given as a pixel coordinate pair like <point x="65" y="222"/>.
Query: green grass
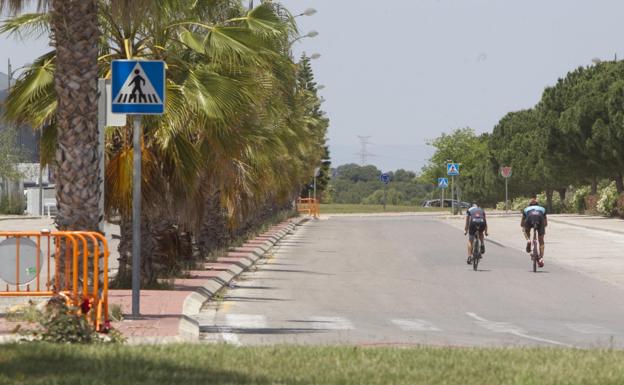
<point x="340" y="208"/>
<point x="218" y="364"/>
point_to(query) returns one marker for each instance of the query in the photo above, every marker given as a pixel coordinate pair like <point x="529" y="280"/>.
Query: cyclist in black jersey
<point x="475" y="222"/>
<point x="535" y="214"/>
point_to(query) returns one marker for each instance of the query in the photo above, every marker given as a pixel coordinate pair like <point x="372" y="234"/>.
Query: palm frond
<point x="26" y="26"/>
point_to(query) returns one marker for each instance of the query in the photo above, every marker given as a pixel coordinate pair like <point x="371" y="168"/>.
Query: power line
<point x="364" y="153"/>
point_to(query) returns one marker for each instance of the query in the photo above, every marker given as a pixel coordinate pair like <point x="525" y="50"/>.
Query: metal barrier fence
<point x="48" y="263"/>
<point x="310" y="206"/>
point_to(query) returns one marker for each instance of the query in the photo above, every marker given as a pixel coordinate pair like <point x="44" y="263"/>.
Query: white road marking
<point x="231" y="338"/>
<point x="330" y="323"/>
<point x="589" y="329"/>
<point x="505" y="327"/>
<point x="245" y="321"/>
<point x="415" y="325"/>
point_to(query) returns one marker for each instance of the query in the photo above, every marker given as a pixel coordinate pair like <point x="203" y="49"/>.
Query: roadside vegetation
<point x="569" y="147"/>
<point x="354" y="184"/>
<point x="220" y="364"/>
<point x="242" y="133"/>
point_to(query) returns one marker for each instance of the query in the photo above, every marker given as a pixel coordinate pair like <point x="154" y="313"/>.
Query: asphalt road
<point x="403" y="281"/>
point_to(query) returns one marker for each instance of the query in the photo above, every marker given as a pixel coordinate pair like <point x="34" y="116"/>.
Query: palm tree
<point x="236" y="142"/>
<point x="75" y="36"/>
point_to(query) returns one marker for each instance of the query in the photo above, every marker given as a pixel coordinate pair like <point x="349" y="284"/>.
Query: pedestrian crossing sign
<point x="442" y="182"/>
<point x="138" y="87"/>
<point x="452" y="168"/>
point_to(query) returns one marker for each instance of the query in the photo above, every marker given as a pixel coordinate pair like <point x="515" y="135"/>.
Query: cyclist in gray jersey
<point x="475" y="222"/>
<point x="534" y="214"/>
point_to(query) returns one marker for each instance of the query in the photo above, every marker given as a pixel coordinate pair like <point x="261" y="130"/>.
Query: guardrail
<point x="310" y="206"/>
<point x="48" y="263"/>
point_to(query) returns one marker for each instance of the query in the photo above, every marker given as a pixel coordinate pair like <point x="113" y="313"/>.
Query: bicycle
<point x="534" y="250"/>
<point x="476" y="251"/>
<point x="475" y="257"/>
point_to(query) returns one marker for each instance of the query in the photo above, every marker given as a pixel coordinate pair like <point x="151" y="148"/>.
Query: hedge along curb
<point x="238" y="260"/>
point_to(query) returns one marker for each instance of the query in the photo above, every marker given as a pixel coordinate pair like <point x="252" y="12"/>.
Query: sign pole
<point x="385" y="188"/>
<point x="452" y="194"/>
<point x="506" y="197"/>
<point x="136" y="217"/>
<point x="137" y="88"/>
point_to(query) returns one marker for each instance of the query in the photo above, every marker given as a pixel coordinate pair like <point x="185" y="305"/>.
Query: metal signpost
<point x="317" y="172"/>
<point x="138" y="88"/>
<point x="506" y="173"/>
<point x="442" y="185"/>
<point x="385" y="179"/>
<point x="452" y="169"/>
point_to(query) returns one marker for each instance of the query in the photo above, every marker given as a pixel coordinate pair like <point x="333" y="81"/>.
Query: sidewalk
<point x="590" y="245"/>
<point x="169" y="315"/>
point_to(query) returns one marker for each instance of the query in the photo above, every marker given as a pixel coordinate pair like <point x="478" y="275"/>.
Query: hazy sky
<point x="404" y="71"/>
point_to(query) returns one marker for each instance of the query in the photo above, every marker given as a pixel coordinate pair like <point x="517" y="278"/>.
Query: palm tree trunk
<point x="619" y="183"/>
<point x="75" y="35"/>
<point x="214" y="232"/>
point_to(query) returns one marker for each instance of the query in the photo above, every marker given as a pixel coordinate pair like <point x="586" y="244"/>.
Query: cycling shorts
<point x="535" y="220"/>
<point x="474" y="227"/>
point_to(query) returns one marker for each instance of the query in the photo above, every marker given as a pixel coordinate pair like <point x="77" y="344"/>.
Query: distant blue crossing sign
<point x="385" y="178"/>
<point x="138" y="87"/>
<point x="452" y="169"/>
<point x="443" y="183"/>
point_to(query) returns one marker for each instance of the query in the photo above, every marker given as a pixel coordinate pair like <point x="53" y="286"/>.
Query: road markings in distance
<point x="417" y="325"/>
<point x="245" y="321"/>
<point x="231" y="338"/>
<point x="589" y="329"/>
<point x="507" y="328"/>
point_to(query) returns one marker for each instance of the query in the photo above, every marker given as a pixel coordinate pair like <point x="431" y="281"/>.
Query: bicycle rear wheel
<point x="535" y="253"/>
<point x="476" y="253"/>
<point x="535" y="256"/>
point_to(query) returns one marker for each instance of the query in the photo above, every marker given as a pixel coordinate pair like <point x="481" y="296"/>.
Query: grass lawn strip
<point x="220" y="364"/>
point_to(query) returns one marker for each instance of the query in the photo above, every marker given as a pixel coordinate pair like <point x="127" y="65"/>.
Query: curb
<point x="15" y="218"/>
<point x="557" y="220"/>
<point x="238" y="260"/>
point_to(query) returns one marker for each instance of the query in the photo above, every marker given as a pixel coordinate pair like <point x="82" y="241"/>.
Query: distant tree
<point x="360" y="184"/>
<point x="463" y="146"/>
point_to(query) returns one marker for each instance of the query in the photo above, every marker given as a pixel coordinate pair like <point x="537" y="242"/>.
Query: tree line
<point x="352" y="183"/>
<point x="572" y="138"/>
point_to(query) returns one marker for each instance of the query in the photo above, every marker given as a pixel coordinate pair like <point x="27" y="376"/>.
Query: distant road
<point x="396" y="280"/>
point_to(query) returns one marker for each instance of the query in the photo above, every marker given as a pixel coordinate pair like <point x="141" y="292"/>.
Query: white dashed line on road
<point x="416" y="325"/>
<point x="245" y="321"/>
<point x="589" y="329"/>
<point x="231" y="338"/>
<point x="505" y="327"/>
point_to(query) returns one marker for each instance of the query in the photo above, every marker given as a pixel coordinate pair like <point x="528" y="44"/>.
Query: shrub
<point x="59" y="323"/>
<point x="557" y="205"/>
<point x="578" y="201"/>
<point x="519" y="203"/>
<point x="13" y="206"/>
<point x="607" y="201"/>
